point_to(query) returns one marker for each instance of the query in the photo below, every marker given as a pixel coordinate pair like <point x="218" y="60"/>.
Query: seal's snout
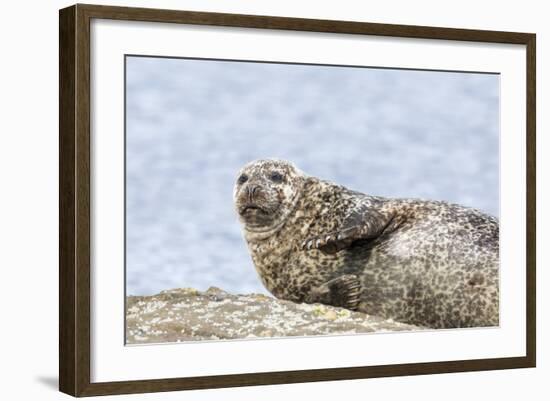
<point x="252" y="191"/>
<point x="251" y="200"/>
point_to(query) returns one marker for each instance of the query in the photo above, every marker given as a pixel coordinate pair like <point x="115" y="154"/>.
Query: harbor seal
<point x="428" y="263"/>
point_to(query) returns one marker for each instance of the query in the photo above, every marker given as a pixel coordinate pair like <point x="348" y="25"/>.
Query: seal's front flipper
<point x="333" y="242"/>
<point x="343" y="291"/>
<point x="362" y="223"/>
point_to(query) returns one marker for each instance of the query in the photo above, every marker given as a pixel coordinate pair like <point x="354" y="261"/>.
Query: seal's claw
<point x="332" y="242"/>
<point x="348" y="287"/>
<point x="317" y="242"/>
<point x="343" y="291"/>
<point x="311" y="243"/>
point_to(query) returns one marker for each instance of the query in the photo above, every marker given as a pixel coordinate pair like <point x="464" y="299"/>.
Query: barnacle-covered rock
<point x="186" y="314"/>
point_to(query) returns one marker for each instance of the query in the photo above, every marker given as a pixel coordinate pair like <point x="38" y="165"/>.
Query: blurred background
<point x="191" y="125"/>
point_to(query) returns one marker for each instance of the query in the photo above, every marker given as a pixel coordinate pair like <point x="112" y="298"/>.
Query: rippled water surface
<point x="191" y="124"/>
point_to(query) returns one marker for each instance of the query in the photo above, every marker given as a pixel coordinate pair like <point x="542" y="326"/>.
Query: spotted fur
<point x="427" y="263"/>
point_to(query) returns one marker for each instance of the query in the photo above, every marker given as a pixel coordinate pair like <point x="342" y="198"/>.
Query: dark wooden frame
<point x="74" y="199"/>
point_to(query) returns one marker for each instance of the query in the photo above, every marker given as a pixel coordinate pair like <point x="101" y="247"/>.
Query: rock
<point x="186" y="314"/>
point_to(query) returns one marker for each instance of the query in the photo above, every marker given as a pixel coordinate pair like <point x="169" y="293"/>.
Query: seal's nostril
<point x="252" y="190"/>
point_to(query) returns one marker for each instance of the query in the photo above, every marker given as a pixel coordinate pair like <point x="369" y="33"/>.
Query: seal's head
<point x="265" y="193"/>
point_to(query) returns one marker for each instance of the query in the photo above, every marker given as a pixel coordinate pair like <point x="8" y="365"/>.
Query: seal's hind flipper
<point x="343" y="291"/>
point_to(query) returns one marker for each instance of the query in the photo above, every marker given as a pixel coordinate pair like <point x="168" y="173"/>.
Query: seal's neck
<point x="256" y="236"/>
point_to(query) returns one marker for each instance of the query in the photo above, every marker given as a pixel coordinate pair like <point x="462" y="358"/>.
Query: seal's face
<point x="265" y="193"/>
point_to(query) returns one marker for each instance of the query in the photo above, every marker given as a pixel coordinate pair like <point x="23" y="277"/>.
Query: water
<point x="191" y="124"/>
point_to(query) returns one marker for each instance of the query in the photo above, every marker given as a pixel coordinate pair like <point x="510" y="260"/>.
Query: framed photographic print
<point x="309" y="199"/>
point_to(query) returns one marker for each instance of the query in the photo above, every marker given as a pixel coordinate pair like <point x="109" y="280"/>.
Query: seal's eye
<point x="276" y="177"/>
<point x="242" y="179"/>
